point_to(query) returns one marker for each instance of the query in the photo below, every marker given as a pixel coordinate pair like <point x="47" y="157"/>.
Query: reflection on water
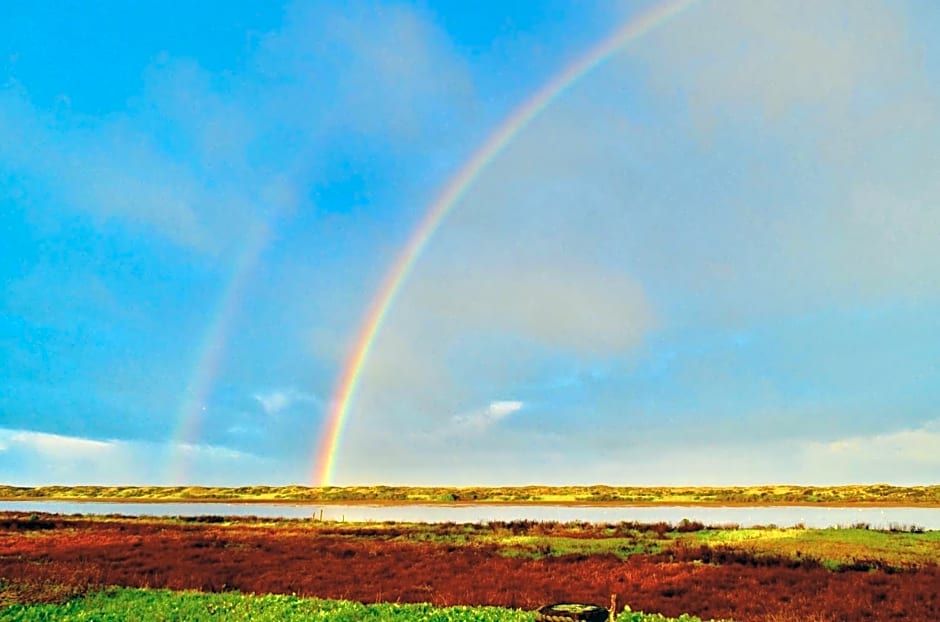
<point x="784" y="516"/>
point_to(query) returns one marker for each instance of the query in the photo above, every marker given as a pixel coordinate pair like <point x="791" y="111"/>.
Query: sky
<point x="713" y="259"/>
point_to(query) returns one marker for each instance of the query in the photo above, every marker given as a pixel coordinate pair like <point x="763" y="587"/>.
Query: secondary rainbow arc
<point x="451" y="194"/>
<point x="210" y="357"/>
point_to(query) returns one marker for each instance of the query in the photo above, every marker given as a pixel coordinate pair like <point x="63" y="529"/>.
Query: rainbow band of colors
<point x="452" y="193"/>
<point x="211" y="354"/>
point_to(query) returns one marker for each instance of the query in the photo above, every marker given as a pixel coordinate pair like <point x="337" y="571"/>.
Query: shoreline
<point x="481" y="503"/>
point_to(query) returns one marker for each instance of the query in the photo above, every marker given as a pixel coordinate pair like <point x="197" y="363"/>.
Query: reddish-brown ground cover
<point x="76" y="555"/>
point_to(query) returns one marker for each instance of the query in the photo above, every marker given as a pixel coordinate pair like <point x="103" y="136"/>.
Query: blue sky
<point x="712" y="260"/>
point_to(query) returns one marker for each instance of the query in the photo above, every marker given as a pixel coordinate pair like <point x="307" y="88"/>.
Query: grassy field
<point x="876" y="494"/>
<point x="142" y="605"/>
<point x="833" y="548"/>
<point x="54" y="567"/>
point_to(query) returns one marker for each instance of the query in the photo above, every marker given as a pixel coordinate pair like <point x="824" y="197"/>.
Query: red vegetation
<point x="76" y="555"/>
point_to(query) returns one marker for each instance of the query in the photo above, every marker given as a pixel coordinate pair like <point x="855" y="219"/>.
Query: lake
<point x="784" y="516"/>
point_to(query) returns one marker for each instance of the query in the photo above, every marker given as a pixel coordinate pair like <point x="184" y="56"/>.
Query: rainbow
<point x="209" y="359"/>
<point x="451" y="194"/>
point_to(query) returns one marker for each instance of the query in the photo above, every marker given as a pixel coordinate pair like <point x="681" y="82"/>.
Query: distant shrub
<point x="208" y="518"/>
<point x="660" y="529"/>
<point x="900" y="528"/>
<point x="687" y="526"/>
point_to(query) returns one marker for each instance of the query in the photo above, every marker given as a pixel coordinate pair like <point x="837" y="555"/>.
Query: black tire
<point x="564" y="612"/>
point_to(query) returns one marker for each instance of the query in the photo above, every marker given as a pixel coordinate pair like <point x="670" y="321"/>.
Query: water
<point x="783" y="516"/>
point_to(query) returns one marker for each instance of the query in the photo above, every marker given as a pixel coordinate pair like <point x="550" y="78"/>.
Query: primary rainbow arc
<point x="384" y="298"/>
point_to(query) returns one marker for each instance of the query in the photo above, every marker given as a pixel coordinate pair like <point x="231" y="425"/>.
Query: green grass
<point x="537" y="547"/>
<point x="138" y="605"/>
<point x="831" y="546"/>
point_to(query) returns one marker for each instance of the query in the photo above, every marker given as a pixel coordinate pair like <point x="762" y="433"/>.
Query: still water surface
<point x="784" y="516"/>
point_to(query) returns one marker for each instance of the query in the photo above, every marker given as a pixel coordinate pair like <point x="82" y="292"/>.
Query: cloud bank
<point x="29" y="457"/>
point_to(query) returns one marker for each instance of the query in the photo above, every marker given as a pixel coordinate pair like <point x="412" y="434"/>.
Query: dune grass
<point x="875" y="494"/>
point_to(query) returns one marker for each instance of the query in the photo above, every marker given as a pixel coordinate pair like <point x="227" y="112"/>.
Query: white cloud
<point x="29" y="457"/>
<point x="502" y="408"/>
<point x="278" y="400"/>
<point x="482" y="420"/>
<point x="273" y="402"/>
<point x="56" y="445"/>
<point x="905" y="456"/>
